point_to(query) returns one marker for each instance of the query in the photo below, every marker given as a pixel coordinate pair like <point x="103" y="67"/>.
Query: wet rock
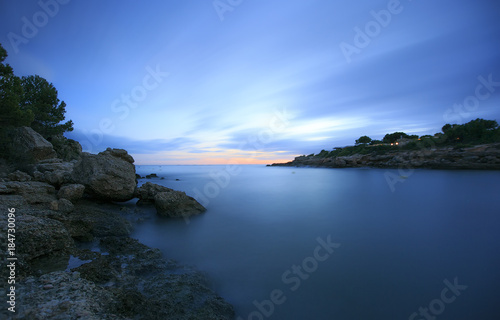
<point x="176" y="204"/>
<point x="109" y="175"/>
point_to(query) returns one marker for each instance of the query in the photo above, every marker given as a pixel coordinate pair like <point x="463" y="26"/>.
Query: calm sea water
<point x="308" y="243"/>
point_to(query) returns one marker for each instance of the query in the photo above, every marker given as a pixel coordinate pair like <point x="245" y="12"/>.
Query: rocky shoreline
<point x="480" y="157"/>
<point x="75" y="258"/>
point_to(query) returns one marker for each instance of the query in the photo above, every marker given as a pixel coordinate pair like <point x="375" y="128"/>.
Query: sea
<point x="348" y="244"/>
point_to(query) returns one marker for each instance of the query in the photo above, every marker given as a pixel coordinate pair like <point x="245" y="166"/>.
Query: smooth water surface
<point x="431" y="242"/>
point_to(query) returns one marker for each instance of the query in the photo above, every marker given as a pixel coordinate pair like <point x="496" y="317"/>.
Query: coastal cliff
<point x="486" y="156"/>
<point x="69" y="242"/>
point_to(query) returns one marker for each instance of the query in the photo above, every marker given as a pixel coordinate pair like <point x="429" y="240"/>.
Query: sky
<point x="240" y="81"/>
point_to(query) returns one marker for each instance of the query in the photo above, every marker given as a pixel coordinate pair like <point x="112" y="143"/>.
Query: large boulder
<point x="168" y="202"/>
<point x="109" y="175"/>
<point x="31" y="146"/>
<point x="176" y="204"/>
<point x="54" y="171"/>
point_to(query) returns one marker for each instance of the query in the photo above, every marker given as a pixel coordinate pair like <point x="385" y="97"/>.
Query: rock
<point x="31" y="146"/>
<point x="62" y="295"/>
<point x="64" y="205"/>
<point x="19" y="176"/>
<point x="39" y="236"/>
<point x="146" y="193"/>
<point x="72" y="192"/>
<point x="152" y="175"/>
<point x="168" y="202"/>
<point x="66" y="149"/>
<point x="34" y="192"/>
<point x="54" y="171"/>
<point x="176" y="204"/>
<point x="109" y="175"/>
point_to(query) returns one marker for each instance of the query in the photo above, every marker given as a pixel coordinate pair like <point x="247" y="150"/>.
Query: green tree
<point x="11" y="114"/>
<point x="363" y="140"/>
<point x="11" y="91"/>
<point x="393" y="137"/>
<point x="40" y="97"/>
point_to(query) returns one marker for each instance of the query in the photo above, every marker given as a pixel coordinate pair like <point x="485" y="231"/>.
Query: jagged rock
<point x="34" y="192"/>
<point x="72" y="192"/>
<point x="31" y="146"/>
<point x="40" y="236"/>
<point x="19" y="176"/>
<point x="176" y="204"/>
<point x="62" y="295"/>
<point x="109" y="175"/>
<point x="66" y="149"/>
<point x="54" y="171"/>
<point x="168" y="202"/>
<point x="146" y="193"/>
<point x="62" y="205"/>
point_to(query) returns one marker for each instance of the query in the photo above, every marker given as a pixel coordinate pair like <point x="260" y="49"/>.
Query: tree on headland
<point x="363" y="140"/>
<point x="11" y="92"/>
<point x="475" y="131"/>
<point x="393" y="137"/>
<point x="40" y="97"/>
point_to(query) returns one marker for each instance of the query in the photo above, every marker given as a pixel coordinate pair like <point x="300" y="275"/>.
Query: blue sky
<point x="239" y="81"/>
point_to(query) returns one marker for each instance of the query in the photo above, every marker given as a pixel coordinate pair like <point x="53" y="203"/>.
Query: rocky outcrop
<point x="122" y="279"/>
<point x="54" y="171"/>
<point x="168" y="202"/>
<point x="109" y="175"/>
<point x="176" y="204"/>
<point x="33" y="192"/>
<point x="485" y="157"/>
<point x="31" y="146"/>
<point x="66" y="149"/>
<point x="72" y="192"/>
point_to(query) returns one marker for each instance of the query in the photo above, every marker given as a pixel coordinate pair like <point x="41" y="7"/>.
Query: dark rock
<point x="72" y="192"/>
<point x="152" y="175"/>
<point x="38" y="236"/>
<point x="109" y="175"/>
<point x="19" y="176"/>
<point x="33" y="192"/>
<point x="177" y="204"/>
<point x="30" y="145"/>
<point x="146" y="193"/>
<point x="66" y="149"/>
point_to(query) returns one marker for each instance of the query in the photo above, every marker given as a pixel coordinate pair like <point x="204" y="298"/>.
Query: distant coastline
<point x="480" y="157"/>
<point x="474" y="145"/>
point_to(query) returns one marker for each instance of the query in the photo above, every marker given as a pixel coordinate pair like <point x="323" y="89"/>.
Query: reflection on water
<point x="258" y="240"/>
